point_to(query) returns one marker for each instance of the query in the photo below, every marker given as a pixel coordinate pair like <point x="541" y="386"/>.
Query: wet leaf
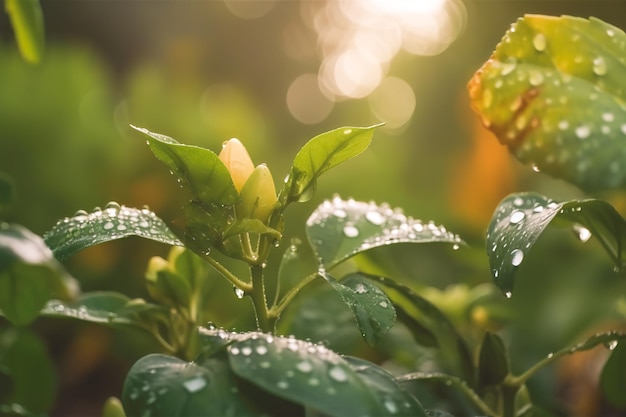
<point x="29" y="275"/>
<point x="521" y="218"/>
<point x="613" y="377"/>
<point x="553" y="92"/>
<point x="339" y="229"/>
<point x="373" y="311"/>
<point x="199" y="169"/>
<point x="320" y="154"/>
<point x="493" y="363"/>
<point x="73" y="234"/>
<point x="28" y="26"/>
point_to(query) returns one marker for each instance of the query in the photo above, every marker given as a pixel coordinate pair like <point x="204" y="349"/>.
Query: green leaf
<point x="373" y="311"/>
<point x="113" y="408"/>
<point x="453" y="350"/>
<point x="83" y="230"/>
<point x="29" y="275"/>
<point x="309" y="374"/>
<point x="199" y="169"/>
<point x="339" y="229"/>
<point x="165" y="386"/>
<point x="101" y="307"/>
<point x="521" y="218"/>
<point x="493" y="363"/>
<point x="554" y="93"/>
<point x="6" y="193"/>
<point x="613" y="377"/>
<point x="320" y="154"/>
<point x="25" y="359"/>
<point x="27" y="21"/>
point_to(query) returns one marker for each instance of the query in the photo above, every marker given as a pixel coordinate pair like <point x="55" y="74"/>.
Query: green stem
<point x="452" y="380"/>
<point x="257" y="294"/>
<point x="242" y="285"/>
<point x="510" y="388"/>
<point x="284" y="302"/>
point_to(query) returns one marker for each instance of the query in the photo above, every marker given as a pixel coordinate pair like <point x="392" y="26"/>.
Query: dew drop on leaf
<point x="539" y="42"/>
<point x="516" y="217"/>
<point x="239" y="293"/>
<point x="338" y="374"/>
<point x="195" y="384"/>
<point x="599" y="66"/>
<point x="508" y="294"/>
<point x="611" y="345"/>
<point x="375" y="217"/>
<point x="517" y="256"/>
<point x="350" y="231"/>
<point x="304" y="366"/>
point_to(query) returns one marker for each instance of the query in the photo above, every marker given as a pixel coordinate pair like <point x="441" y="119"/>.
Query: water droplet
<point x="108" y="226"/>
<point x="338" y="374"/>
<point x="582" y="232"/>
<point x="375" y="217"/>
<point x="583" y="131"/>
<point x="261" y="349"/>
<point x="340" y="213"/>
<point x="508" y="67"/>
<point x="455" y="246"/>
<point x="195" y="384"/>
<point x="611" y="345"/>
<point x="508" y="294"/>
<point x="112" y="205"/>
<point x="347" y="131"/>
<point x="535" y="78"/>
<point x="350" y="231"/>
<point x="282" y="384"/>
<point x="563" y="125"/>
<point x="517" y="256"/>
<point x="383" y="304"/>
<point x="539" y="42"/>
<point x="304" y="366"/>
<point x="390" y="405"/>
<point x="535" y="168"/>
<point x="360" y="288"/>
<point x="265" y="364"/>
<point x="516" y="217"/>
<point x="246" y="351"/>
<point x="608" y="117"/>
<point x="623" y="128"/>
<point x="314" y="382"/>
<point x="234" y="350"/>
<point x="599" y="66"/>
<point x="239" y="293"/>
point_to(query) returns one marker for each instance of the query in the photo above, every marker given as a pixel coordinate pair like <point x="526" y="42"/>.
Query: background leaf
<point x="493" y="363"/>
<point x="29" y="275"/>
<point x="83" y="230"/>
<point x="28" y="26"/>
<point x="373" y="311"/>
<point x="320" y="154"/>
<point x="613" y="377"/>
<point x="339" y="229"/>
<point x="521" y="218"/>
<point x="554" y="93"/>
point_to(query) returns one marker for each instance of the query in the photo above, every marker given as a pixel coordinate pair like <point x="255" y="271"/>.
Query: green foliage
<point x="27" y="21"/>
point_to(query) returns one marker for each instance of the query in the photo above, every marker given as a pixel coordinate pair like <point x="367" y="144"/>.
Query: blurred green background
<point x="274" y="74"/>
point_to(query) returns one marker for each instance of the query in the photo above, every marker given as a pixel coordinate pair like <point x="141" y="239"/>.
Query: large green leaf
<point x="24" y="357"/>
<point x="166" y="386"/>
<point x="613" y="377"/>
<point x="373" y="311"/>
<point x="554" y="93"/>
<point x="29" y="275"/>
<point x="198" y="168"/>
<point x="83" y="230"/>
<point x="320" y="154"/>
<point x="521" y="218"/>
<point x="314" y="376"/>
<point x="27" y="21"/>
<point x="339" y="229"/>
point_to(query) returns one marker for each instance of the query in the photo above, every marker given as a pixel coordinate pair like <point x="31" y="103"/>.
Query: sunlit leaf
<point x="73" y="234"/>
<point x="493" y="364"/>
<point x="521" y="218"/>
<point x="554" y="93"/>
<point x="28" y="26"/>
<point x="29" y="275"/>
<point x="199" y="169"/>
<point x="373" y="311"/>
<point x="613" y="377"/>
<point x="339" y="229"/>
<point x="320" y="154"/>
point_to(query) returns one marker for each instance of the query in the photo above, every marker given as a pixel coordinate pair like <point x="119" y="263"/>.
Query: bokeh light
<point x="305" y="100"/>
<point x="250" y="9"/>
<point x="393" y="102"/>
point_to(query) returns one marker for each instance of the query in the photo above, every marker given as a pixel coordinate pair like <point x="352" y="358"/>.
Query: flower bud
<point x="235" y="156"/>
<point x="258" y="195"/>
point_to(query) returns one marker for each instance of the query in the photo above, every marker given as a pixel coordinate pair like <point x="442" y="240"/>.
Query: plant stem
<point x="242" y="285"/>
<point x="284" y="302"/>
<point x="257" y="294"/>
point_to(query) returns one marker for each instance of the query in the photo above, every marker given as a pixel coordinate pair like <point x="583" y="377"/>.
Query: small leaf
<point x="27" y="21"/>
<point x="166" y="386"/>
<point x="521" y="218"/>
<point x="29" y="275"/>
<point x="613" y="377"/>
<point x="339" y="229"/>
<point x="553" y="92"/>
<point x="373" y="311"/>
<point x="493" y="363"/>
<point x="320" y="154"/>
<point x="198" y="168"/>
<point x="83" y="230"/>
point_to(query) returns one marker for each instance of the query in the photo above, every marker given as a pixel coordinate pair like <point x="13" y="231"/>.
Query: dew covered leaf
<point x="198" y="168"/>
<point x="29" y="275"/>
<point x="521" y="218"/>
<point x="73" y="234"/>
<point x="310" y="374"/>
<point x="167" y="386"/>
<point x="553" y="91"/>
<point x="28" y="26"/>
<point x="320" y="154"/>
<point x="339" y="229"/>
<point x="373" y="311"/>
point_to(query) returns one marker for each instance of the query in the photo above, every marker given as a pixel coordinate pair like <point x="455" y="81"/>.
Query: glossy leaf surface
<point x="28" y="26"/>
<point x="373" y="311"/>
<point x="520" y="219"/>
<point x="320" y="154"/>
<point x="554" y="92"/>
<point x="29" y="275"/>
<point x="339" y="229"/>
<point x="73" y="234"/>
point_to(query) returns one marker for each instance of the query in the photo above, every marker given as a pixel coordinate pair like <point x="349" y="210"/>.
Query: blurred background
<point x="275" y="73"/>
